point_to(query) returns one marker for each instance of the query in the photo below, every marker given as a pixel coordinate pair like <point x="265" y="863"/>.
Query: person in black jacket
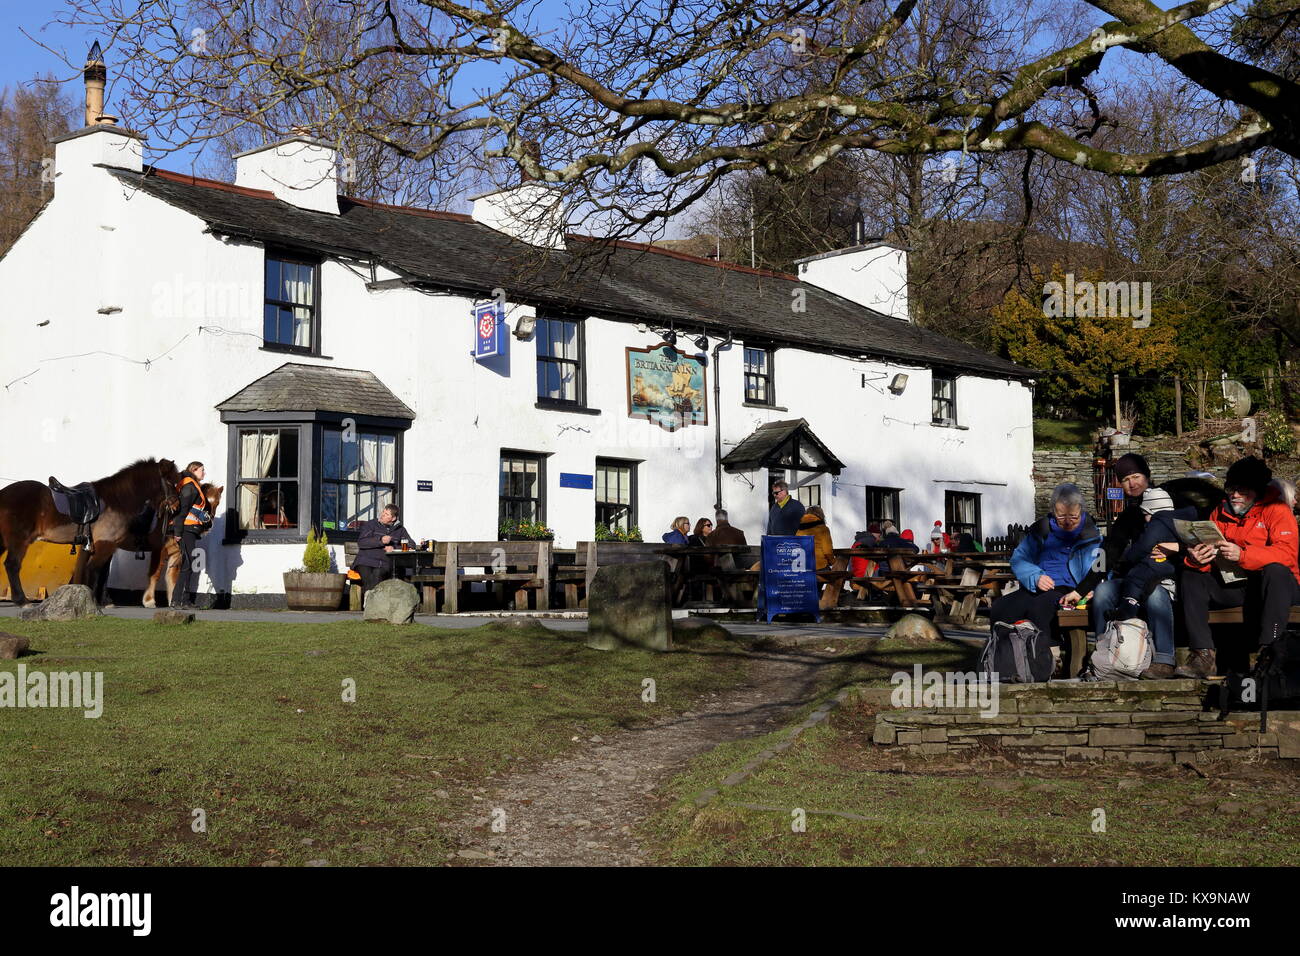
<point x="376" y="539"/>
<point x="189" y="524"/>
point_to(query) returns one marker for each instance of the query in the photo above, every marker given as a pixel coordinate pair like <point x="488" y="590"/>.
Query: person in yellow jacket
<point x="814" y="523"/>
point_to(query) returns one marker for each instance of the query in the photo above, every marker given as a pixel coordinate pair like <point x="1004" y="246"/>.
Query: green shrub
<point x="617" y="534"/>
<point x="1273" y="433"/>
<point x="316" y="556"/>
<point x="534" y="530"/>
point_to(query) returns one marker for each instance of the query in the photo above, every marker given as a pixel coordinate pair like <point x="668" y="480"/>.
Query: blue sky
<point x="21" y="58"/>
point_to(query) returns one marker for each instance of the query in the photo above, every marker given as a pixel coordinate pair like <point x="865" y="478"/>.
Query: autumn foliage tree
<point x="30" y="117"/>
<point x="1080" y="353"/>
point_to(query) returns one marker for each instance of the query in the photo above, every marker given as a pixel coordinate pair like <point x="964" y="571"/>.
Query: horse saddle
<point x="78" y="502"/>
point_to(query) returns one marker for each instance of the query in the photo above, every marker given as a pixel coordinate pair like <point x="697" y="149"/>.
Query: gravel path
<point x="581" y="809"/>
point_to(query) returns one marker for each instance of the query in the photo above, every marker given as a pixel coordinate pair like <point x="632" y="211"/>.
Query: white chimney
<point x="530" y="213"/>
<point x="300" y="171"/>
<point x="873" y="275"/>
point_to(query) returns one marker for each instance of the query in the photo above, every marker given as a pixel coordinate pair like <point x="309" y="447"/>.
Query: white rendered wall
<point x="874" y="276"/>
<point x="191" y="306"/>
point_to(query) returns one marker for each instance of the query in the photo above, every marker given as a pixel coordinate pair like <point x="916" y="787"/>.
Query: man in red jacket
<point x="1260" y="533"/>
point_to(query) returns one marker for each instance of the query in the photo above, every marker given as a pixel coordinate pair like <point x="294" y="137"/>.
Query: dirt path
<point x="580" y="810"/>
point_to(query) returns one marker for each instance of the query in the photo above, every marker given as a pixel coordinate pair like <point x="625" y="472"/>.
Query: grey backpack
<point x="1123" y="651"/>
<point x="1017" y="653"/>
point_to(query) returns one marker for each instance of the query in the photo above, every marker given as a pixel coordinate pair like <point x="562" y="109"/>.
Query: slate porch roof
<point x="621" y="280"/>
<point x="316" y="388"/>
<point x="779" y="445"/>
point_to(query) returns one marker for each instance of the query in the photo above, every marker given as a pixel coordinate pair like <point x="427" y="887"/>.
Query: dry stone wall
<point x="1144" y="722"/>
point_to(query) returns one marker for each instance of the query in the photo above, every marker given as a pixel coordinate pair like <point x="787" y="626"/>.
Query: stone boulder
<point x="914" y="627"/>
<point x="173" y="617"/>
<point x="72" y="602"/>
<point x="12" y="646"/>
<point x="392" y="601"/>
<point x="629" y="604"/>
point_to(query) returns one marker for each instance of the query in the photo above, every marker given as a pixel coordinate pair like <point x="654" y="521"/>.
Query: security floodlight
<point x="898" y="384"/>
<point x="524" y="327"/>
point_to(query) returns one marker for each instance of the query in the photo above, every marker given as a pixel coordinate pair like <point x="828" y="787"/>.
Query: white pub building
<point x="323" y="355"/>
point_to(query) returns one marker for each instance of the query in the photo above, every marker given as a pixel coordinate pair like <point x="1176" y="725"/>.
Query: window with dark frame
<point x="289" y="311"/>
<point x="522" y="489"/>
<point x="616" y="494"/>
<point x="559" y="360"/>
<point x="882" y="506"/>
<point x="758" y="376"/>
<point x="808" y="495"/>
<point x="962" y="513"/>
<point x="943" y="400"/>
<point x="358" y="475"/>
<point x="268" y="487"/>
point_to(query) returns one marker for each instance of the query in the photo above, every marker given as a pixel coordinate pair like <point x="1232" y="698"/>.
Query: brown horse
<point x="27" y="514"/>
<point x="166" y="551"/>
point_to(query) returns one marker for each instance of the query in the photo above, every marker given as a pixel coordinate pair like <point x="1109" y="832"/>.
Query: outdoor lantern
<point x="524" y="327"/>
<point x="702" y="343"/>
<point x="898" y="384"/>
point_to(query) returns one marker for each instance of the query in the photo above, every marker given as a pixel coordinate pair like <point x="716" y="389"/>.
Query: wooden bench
<point x="525" y="564"/>
<point x="591" y="555"/>
<point x="354" y="587"/>
<point x="1076" y="622"/>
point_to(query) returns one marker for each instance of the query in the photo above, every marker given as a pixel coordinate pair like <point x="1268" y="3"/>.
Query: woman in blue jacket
<point x="1051" y="564"/>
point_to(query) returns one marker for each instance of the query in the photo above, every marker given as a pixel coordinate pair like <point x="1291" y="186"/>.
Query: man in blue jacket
<point x="785" y="513"/>
<point x="1051" y="564"/>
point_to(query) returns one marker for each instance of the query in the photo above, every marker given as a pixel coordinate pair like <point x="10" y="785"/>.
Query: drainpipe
<point x="717" y="422"/>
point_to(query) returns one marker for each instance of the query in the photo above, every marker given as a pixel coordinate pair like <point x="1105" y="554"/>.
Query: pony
<point x="166" y="551"/>
<point x="27" y="514"/>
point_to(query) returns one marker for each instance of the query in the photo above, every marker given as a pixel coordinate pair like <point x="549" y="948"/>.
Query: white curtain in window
<point x="256" y="452"/>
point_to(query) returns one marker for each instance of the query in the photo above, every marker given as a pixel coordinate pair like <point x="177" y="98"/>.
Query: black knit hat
<point x="1249" y="472"/>
<point x="1126" y="465"/>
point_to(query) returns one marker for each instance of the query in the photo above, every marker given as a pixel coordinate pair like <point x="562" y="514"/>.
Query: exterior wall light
<point x="898" y="384"/>
<point x="524" y="327"/>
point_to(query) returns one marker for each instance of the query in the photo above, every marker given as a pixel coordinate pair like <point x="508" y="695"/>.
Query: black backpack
<point x="1017" y="653"/>
<point x="1274" y="681"/>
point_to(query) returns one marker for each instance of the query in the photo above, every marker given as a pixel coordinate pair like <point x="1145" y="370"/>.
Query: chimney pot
<point x="94" y="76"/>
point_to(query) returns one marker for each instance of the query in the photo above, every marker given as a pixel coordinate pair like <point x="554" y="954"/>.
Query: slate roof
<point x="774" y="444"/>
<point x="318" y="388"/>
<point x="617" y="280"/>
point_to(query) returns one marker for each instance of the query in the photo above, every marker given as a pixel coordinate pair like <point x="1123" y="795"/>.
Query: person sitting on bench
<point x="1051" y="564"/>
<point x="1259" y="544"/>
<point x="1144" y="584"/>
<point x="376" y="539"/>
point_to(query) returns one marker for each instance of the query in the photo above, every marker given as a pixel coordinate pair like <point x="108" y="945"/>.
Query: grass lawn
<point x="1054" y="433"/>
<point x="875" y="806"/>
<point x="247" y="722"/>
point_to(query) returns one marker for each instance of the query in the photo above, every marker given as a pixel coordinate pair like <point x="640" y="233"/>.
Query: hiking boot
<point x="1158" y="672"/>
<point x="1200" y="664"/>
<point x="1058" y="664"/>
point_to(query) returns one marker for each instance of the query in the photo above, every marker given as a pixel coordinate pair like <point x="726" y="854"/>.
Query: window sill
<point x="961" y="428"/>
<point x="564" y="407"/>
<point x="264" y="537"/>
<point x="772" y="408"/>
<point x="288" y="350"/>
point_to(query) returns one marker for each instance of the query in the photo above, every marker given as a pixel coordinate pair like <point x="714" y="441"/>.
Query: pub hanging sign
<point x="666" y="387"/>
<point x="489" y="323"/>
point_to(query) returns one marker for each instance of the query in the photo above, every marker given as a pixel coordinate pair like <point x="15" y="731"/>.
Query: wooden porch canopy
<point x="789" y="445"/>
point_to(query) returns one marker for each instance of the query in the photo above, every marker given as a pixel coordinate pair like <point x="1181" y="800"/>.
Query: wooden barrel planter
<point x="314" y="592"/>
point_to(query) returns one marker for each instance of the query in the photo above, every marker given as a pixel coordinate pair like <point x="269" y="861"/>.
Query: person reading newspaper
<point x="1252" y="567"/>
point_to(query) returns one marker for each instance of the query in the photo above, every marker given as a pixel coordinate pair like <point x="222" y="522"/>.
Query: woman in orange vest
<point x="191" y="521"/>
